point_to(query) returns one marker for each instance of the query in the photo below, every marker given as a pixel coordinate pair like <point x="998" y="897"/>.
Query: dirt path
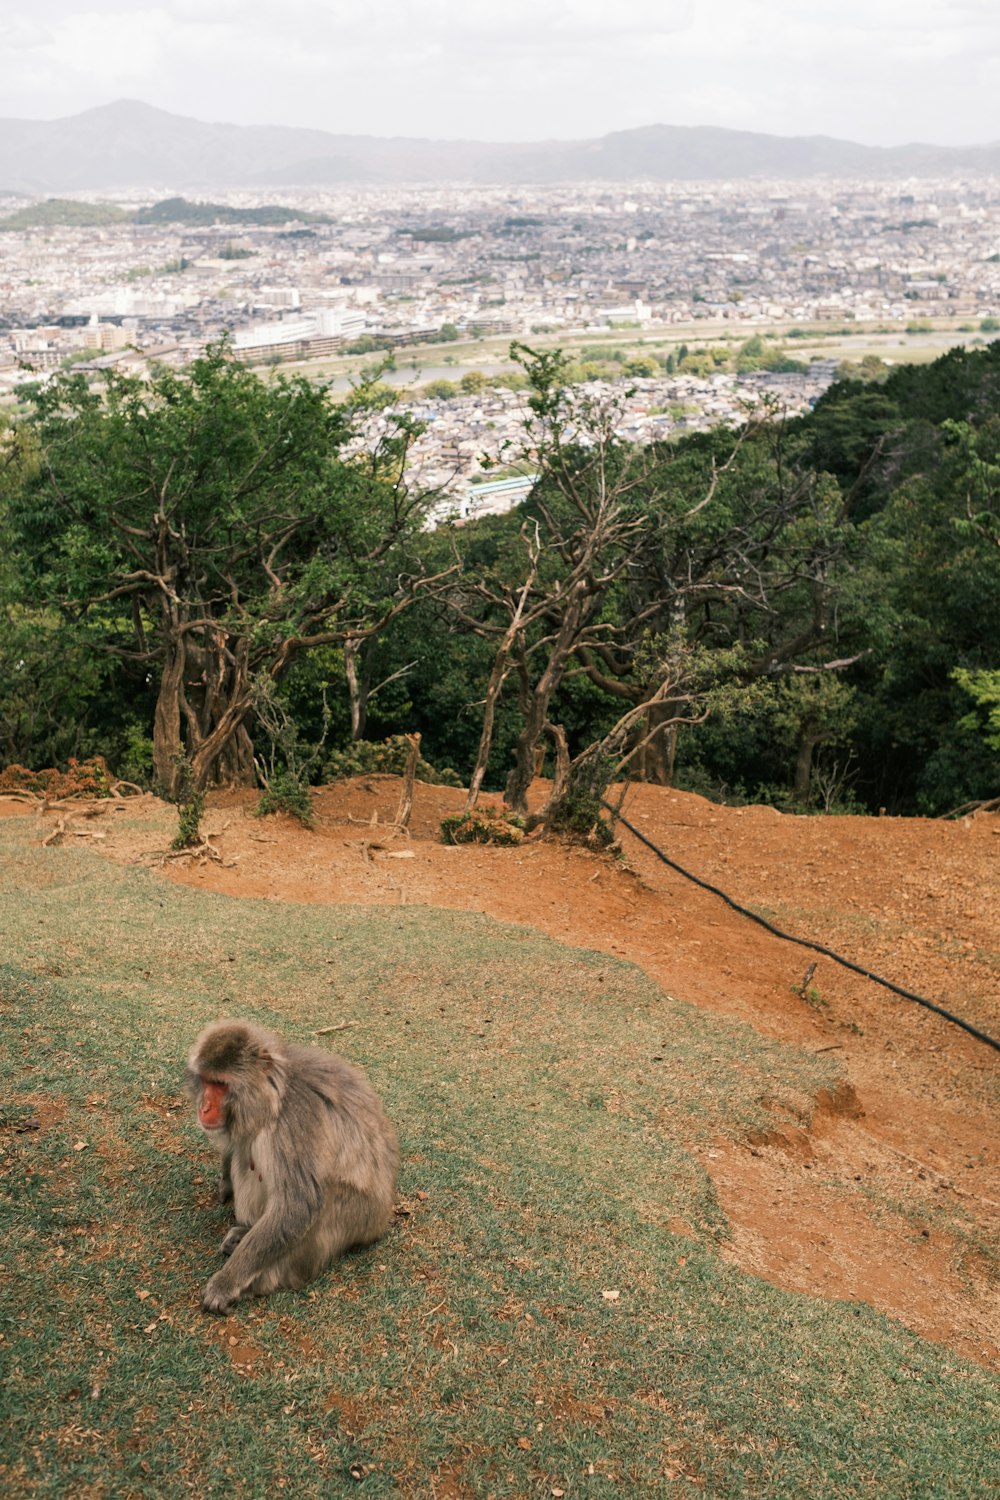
<point x="866" y="1203"/>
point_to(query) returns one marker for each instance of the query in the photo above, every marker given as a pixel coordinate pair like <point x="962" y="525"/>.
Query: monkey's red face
<point x="212" y="1104"/>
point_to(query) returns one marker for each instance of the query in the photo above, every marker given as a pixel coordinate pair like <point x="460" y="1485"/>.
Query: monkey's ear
<point x="265" y="1059"/>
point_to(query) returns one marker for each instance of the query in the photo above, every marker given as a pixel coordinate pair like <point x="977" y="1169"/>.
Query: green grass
<point x="550" y="1103"/>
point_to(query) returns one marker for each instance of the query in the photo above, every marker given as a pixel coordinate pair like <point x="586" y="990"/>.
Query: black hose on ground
<point x="981" y="1036"/>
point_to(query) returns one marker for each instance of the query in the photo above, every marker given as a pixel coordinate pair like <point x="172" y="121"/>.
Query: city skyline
<point x="883" y="73"/>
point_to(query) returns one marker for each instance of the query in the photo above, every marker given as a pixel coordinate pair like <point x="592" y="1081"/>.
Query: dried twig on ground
<point x="204" y="850"/>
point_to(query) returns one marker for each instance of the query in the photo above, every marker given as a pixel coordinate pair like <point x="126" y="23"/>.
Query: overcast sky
<point x="882" y="72"/>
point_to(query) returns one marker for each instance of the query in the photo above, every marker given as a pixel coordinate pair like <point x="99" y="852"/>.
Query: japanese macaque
<point x="308" y="1157"/>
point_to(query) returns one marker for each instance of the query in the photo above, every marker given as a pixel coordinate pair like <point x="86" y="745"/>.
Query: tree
<point x="440" y="390"/>
<point x="940" y="528"/>
<point x="582" y="521"/>
<point x="208" y="527"/>
<point x="675" y="583"/>
<point x="812" y="709"/>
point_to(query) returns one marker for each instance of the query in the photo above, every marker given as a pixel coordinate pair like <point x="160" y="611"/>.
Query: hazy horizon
<point x="448" y="140"/>
<point x="880" y="73"/>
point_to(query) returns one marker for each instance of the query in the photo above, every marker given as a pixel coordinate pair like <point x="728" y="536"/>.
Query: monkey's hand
<point x="221" y="1294"/>
<point x="233" y="1238"/>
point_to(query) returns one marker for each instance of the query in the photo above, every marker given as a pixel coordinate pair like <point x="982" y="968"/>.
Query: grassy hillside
<point x="65" y="212"/>
<point x="550" y="1314"/>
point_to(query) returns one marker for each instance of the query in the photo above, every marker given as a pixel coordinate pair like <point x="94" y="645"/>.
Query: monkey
<point x="309" y="1157"/>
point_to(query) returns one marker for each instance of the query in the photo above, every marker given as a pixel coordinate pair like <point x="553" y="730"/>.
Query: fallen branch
<point x="990" y="804"/>
<point x="54" y="833"/>
<point x="204" y="850"/>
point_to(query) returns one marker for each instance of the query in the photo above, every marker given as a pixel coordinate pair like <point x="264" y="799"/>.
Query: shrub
<point x="483" y="825"/>
<point x="190" y="805"/>
<point x="385" y="758"/>
<point x="285" y="793"/>
<point x="189" y="813"/>
<point x="82" y="778"/>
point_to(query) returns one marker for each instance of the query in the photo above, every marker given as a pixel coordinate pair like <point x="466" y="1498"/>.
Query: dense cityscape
<point x="451" y="275"/>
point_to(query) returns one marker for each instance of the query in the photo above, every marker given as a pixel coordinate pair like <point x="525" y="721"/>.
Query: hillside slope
<point x="892" y="1194"/>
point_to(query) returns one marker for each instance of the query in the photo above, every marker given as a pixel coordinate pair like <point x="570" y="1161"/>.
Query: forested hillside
<point x="200" y="579"/>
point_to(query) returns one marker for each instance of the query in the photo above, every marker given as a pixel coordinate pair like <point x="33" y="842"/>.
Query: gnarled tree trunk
<point x="201" y="711"/>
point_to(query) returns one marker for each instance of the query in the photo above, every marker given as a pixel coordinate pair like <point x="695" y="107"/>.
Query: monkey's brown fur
<point x="309" y="1158"/>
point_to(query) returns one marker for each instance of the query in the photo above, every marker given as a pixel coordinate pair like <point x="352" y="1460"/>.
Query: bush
<point x="285" y="793"/>
<point x="190" y="805"/>
<point x="579" y="817"/>
<point x="385" y="758"/>
<point x="189" y="821"/>
<point x="440" y="390"/>
<point x="136" y="763"/>
<point x="483" y="825"/>
<point x="82" y="778"/>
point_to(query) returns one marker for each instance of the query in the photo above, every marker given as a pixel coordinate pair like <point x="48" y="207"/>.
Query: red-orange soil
<point x="847" y="1207"/>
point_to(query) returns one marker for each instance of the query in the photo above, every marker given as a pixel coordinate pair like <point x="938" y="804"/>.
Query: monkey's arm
<point x="288" y="1217"/>
<point x="224" y="1192"/>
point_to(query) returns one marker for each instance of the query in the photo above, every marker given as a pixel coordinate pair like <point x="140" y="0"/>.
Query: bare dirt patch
<point x="862" y="1200"/>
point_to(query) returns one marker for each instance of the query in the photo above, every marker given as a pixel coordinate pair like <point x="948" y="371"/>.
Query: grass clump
<point x="483" y="825"/>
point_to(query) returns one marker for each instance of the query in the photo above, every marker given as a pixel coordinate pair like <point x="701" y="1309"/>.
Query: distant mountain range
<point x="132" y="145"/>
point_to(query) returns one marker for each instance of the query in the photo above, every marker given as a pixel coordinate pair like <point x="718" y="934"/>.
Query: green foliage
<point x="440" y="390"/>
<point x="388" y="758"/>
<point x="642" y="366"/>
<point x="868" y="369"/>
<point x="437" y="234"/>
<point x="183" y="211"/>
<point x="983" y="687"/>
<point x="483" y="825"/>
<point x="285" y="792"/>
<point x="809" y="993"/>
<point x="366" y="344"/>
<point x="56" y="699"/>
<point x="136" y="762"/>
<point x="447" y="333"/>
<point x="580" y="815"/>
<point x="190" y="805"/>
<point x="205" y="525"/>
<point x="64" y="212"/>
<point x="864" y="532"/>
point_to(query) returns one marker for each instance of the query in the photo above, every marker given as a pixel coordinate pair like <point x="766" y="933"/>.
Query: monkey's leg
<point x="261" y="1249"/>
